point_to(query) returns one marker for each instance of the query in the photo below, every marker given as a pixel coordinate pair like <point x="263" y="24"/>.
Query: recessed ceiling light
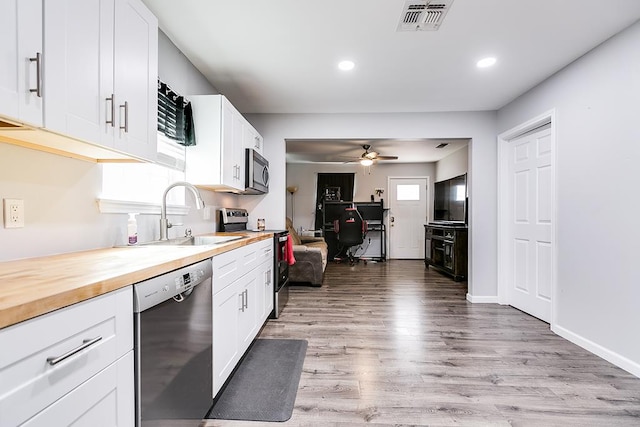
<point x="486" y="62"/>
<point x="346" y="65"/>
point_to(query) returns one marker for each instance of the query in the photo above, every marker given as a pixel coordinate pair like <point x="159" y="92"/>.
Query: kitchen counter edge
<point x="35" y="286"/>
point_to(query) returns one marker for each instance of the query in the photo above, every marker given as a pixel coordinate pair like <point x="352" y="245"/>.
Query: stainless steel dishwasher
<point x="173" y="334"/>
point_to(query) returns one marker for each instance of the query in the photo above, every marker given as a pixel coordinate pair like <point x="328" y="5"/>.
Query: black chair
<point x="350" y="230"/>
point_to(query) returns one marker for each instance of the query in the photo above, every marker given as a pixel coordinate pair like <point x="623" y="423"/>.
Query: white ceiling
<point x="280" y="56"/>
<point x="350" y="150"/>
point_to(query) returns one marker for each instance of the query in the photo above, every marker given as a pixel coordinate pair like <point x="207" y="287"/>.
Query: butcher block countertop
<point x="34" y="286"/>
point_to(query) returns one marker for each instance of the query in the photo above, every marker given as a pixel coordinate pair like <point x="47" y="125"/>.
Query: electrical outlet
<point x="13" y="213"/>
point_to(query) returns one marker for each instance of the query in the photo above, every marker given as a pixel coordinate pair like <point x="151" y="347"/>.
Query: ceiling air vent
<point x="423" y="15"/>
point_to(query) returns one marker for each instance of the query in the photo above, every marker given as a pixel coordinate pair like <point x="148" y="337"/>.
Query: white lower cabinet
<point x="248" y="312"/>
<point x="265" y="282"/>
<point x="238" y="305"/>
<point x="106" y="399"/>
<point x="71" y="366"/>
<point x="225" y="334"/>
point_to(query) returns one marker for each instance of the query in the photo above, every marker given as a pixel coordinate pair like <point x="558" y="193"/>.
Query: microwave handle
<point x="265" y="175"/>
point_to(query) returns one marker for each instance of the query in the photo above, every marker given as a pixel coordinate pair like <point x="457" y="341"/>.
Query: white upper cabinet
<point x="251" y="138"/>
<point x="217" y="160"/>
<point x="101" y="73"/>
<point x="21" y="61"/>
<point x="79" y="68"/>
<point x="136" y="78"/>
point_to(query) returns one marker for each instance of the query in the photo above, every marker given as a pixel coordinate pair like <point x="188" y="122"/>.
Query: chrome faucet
<point x="165" y="225"/>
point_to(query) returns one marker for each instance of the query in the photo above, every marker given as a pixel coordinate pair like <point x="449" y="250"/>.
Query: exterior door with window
<point x="407" y="216"/>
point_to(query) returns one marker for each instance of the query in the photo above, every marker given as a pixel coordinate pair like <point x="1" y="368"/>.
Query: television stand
<point x="445" y="249"/>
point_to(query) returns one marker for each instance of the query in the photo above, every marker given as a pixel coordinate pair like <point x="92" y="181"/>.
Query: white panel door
<point x="407" y="216"/>
<point x="530" y="231"/>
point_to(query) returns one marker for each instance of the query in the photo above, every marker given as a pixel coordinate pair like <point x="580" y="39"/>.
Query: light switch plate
<point x="13" y="213"/>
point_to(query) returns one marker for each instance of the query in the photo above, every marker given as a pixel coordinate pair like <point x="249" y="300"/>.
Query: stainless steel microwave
<point x="256" y="172"/>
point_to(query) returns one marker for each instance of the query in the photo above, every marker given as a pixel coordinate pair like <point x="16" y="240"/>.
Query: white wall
<point x="455" y="164"/>
<point x="596" y="102"/>
<point x="479" y="127"/>
<point x="59" y="193"/>
<point x="175" y="69"/>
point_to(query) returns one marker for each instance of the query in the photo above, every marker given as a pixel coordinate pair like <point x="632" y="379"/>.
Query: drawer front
<point x="31" y="381"/>
<point x="250" y="256"/>
<point x="265" y="251"/>
<point x="107" y="399"/>
<point x="227" y="267"/>
<point x="230" y="266"/>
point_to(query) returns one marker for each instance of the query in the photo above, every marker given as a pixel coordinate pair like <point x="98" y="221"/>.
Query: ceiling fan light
<point x="366" y="162"/>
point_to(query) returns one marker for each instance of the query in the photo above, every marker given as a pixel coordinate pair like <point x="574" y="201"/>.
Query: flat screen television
<point x="450" y="200"/>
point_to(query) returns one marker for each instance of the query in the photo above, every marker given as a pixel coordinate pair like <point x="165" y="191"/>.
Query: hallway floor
<point x="394" y="344"/>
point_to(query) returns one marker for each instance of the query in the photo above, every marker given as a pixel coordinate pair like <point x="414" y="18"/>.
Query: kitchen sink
<point x="194" y="241"/>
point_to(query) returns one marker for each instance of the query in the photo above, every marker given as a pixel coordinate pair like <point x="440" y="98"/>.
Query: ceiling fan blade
<point x="386" y="158"/>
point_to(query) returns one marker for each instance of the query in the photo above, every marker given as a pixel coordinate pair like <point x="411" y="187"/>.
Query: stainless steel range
<point x="236" y="219"/>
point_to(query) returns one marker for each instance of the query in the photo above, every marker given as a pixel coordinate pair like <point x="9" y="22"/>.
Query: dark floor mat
<point x="264" y="386"/>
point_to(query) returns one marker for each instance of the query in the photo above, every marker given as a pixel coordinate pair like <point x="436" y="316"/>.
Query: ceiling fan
<point x="369" y="157"/>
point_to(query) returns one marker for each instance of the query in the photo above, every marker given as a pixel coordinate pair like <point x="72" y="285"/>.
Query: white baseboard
<point x="482" y="299"/>
<point x="608" y="355"/>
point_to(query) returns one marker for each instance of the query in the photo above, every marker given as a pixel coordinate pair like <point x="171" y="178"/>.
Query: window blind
<point x="175" y="118"/>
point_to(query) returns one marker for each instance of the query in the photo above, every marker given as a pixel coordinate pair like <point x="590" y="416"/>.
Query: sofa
<point x="310" y="254"/>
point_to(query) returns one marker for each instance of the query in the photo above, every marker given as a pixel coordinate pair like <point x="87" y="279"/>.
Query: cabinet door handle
<point x="125" y="128"/>
<point x="113" y="111"/>
<point x="246" y="298"/>
<point x="38" y="61"/>
<point x="85" y="343"/>
<point x="242" y="302"/>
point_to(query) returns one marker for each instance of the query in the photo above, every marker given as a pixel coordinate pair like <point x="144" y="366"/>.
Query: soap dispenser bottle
<point x="132" y="229"/>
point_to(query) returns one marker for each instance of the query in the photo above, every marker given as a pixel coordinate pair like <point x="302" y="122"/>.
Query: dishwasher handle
<point x="176" y="285"/>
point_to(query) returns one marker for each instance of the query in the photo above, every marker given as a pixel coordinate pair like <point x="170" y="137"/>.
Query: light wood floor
<point x="395" y="344"/>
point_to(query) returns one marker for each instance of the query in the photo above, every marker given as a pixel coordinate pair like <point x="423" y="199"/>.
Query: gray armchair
<point x="311" y="258"/>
